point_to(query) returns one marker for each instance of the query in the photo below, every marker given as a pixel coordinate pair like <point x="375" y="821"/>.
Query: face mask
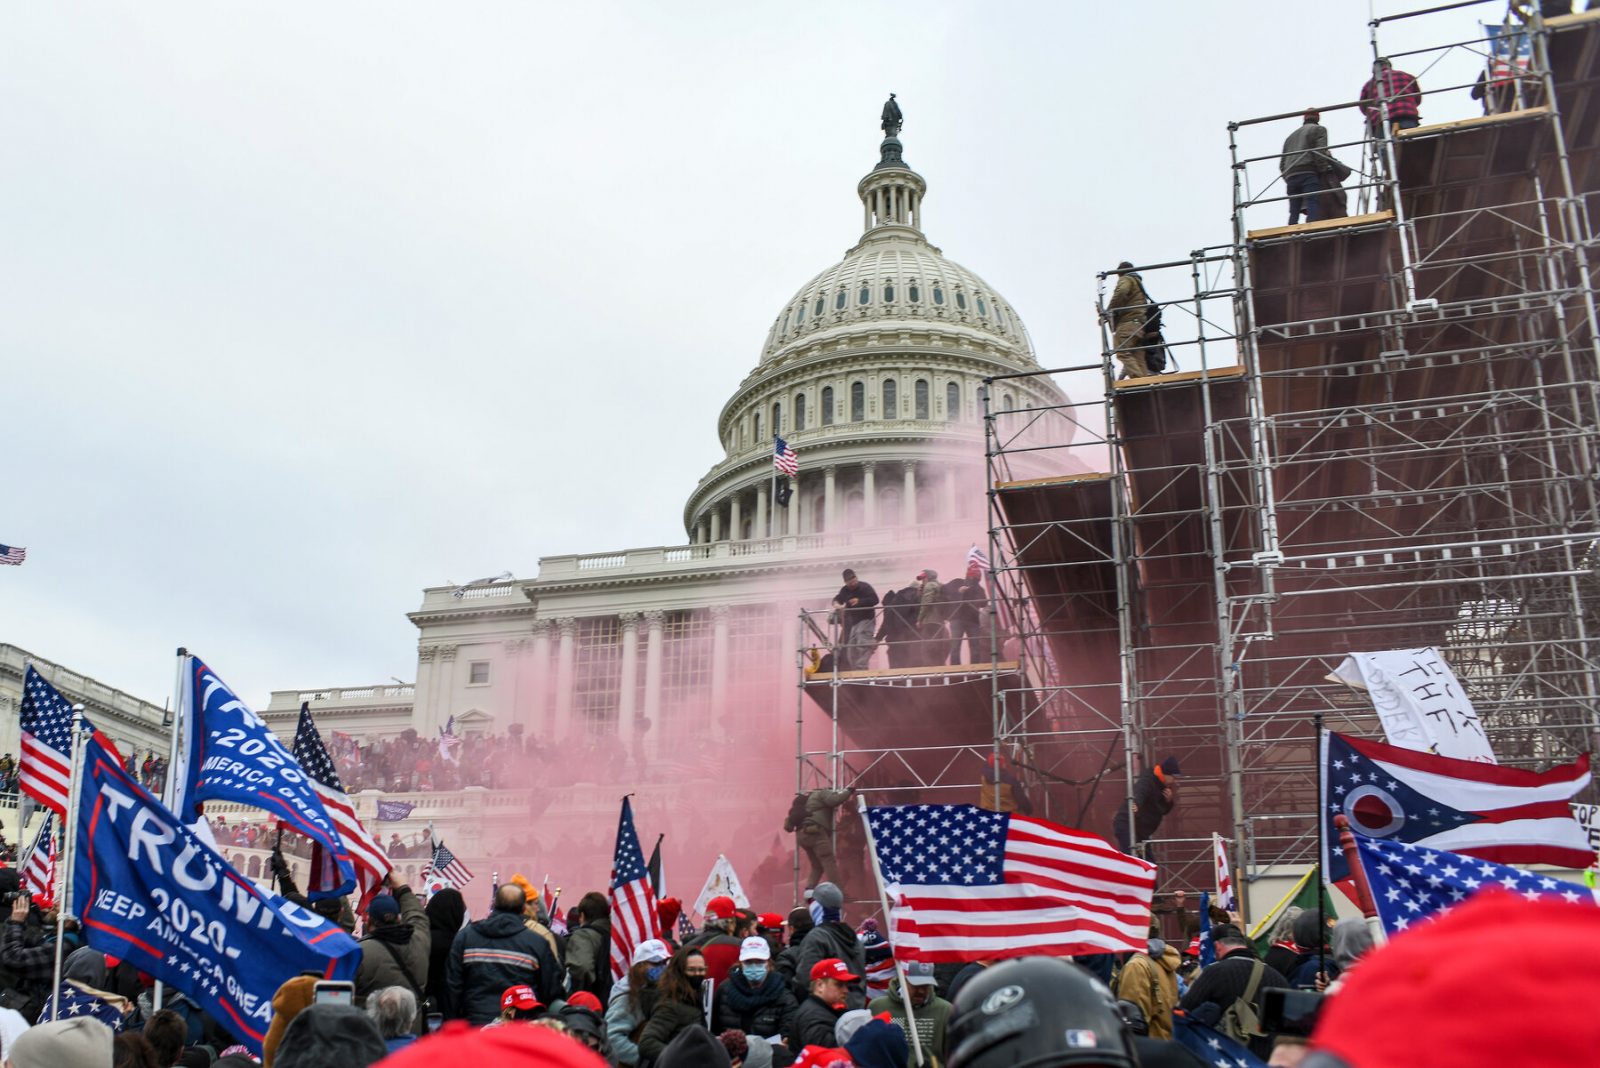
<point x="654" y="971"/>
<point x="756" y="973"/>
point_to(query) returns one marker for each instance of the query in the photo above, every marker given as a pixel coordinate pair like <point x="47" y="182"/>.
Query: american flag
<point x="370" y="861"/>
<point x="69" y="1001"/>
<point x="45" y="771"/>
<point x="1411" y="883"/>
<point x="1219" y="852"/>
<point x="633" y="902"/>
<point x="445" y="870"/>
<point x="12" y="554"/>
<point x="977" y="558"/>
<point x="784" y="458"/>
<point x="969" y="884"/>
<point x="1212" y="1047"/>
<point x="39" y="866"/>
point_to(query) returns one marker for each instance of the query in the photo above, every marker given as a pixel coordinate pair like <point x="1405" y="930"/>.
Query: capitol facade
<point x="670" y="671"/>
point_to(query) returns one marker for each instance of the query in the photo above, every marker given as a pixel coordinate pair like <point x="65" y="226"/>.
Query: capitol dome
<point x="872" y="373"/>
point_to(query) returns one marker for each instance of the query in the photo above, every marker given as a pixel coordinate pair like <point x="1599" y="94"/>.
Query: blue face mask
<point x="654" y="971"/>
<point x="756" y="973"/>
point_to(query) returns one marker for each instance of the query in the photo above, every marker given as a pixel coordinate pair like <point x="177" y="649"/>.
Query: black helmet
<point x="1037" y="1012"/>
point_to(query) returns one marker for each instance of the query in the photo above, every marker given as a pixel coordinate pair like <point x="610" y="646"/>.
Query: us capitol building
<point x="670" y="671"/>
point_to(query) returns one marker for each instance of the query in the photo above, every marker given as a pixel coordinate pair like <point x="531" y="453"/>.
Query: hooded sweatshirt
<point x="694" y="1047"/>
<point x="932" y="1020"/>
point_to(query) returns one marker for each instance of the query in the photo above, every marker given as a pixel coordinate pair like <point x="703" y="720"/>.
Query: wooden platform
<point x="1375" y="218"/>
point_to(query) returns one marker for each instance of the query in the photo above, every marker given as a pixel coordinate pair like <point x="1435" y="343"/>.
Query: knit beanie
<point x="1404" y="1005"/>
<point x="1169" y="766"/>
<point x="330" y="1036"/>
<point x="291" y="999"/>
<point x="848" y="1023"/>
<point x="830" y="899"/>
<point x="878" y="1044"/>
<point x="75" y="1043"/>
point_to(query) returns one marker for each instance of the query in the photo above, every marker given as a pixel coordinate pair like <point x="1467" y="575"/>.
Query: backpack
<point x="797" y="813"/>
<point x="1240" y="1021"/>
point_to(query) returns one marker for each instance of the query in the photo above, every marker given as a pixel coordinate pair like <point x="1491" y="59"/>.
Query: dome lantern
<point x="891" y="193"/>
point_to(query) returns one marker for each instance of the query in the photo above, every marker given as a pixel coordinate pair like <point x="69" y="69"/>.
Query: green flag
<point x="1302" y="895"/>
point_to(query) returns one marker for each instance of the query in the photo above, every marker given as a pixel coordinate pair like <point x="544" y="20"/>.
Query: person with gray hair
<point x="393" y="1008"/>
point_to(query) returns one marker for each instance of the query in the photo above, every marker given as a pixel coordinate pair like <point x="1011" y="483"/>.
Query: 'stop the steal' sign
<point x="228" y="754"/>
<point x="149" y="891"/>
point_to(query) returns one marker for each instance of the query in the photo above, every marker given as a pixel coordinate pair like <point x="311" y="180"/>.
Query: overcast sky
<point x="307" y="307"/>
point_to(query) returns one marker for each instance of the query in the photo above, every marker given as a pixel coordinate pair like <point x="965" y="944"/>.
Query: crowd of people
<point x="814" y="989"/>
<point x="923" y="624"/>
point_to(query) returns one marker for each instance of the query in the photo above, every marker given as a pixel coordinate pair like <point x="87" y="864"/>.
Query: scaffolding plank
<point x="1375" y="218"/>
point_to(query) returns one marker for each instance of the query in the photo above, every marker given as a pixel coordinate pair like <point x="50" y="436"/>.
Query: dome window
<point x="983" y="309"/>
<point x="800" y="314"/>
<point x="952" y="401"/>
<point x="799" y="411"/>
<point x="938" y="295"/>
<point x="756" y="420"/>
<point x="858" y="402"/>
<point x="821" y="303"/>
<point x="785" y="328"/>
<point x="920" y="398"/>
<point x="838" y="301"/>
<point x="777" y="419"/>
<point x="865" y="295"/>
<point x="1008" y="403"/>
<point x="913" y="293"/>
<point x="827" y="405"/>
<point x="888" y="293"/>
<point x="961" y="300"/>
<point x="891" y="404"/>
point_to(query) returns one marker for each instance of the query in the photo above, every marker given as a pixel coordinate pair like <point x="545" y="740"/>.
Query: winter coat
<point x="1305" y="150"/>
<point x="490" y="955"/>
<point x="720" y="949"/>
<point x="410" y="941"/>
<point x="1128" y="300"/>
<point x="831" y="939"/>
<point x="932" y="1021"/>
<point x="964" y="604"/>
<point x="446" y="911"/>
<point x="623" y="1019"/>
<point x="1152" y="984"/>
<point x="930" y="603"/>
<point x="666" y="1021"/>
<point x="813" y="1024"/>
<point x="589" y="959"/>
<point x="820" y="804"/>
<point x="762" y="1011"/>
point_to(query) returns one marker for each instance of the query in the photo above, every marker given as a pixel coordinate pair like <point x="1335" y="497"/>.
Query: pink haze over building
<point x="671" y="672"/>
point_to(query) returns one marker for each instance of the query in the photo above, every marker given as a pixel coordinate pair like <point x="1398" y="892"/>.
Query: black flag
<point x="654" y="867"/>
<point x="785" y="491"/>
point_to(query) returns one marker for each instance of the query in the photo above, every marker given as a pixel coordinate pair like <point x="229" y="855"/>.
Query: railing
<point x="81" y="687"/>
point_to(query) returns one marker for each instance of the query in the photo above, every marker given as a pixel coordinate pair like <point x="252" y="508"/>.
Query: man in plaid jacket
<point x="1396" y="89"/>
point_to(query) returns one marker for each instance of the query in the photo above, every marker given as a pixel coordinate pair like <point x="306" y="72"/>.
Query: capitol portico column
<point x="719" y="669"/>
<point x="794" y="504"/>
<point x="628" y="684"/>
<point x="424" y="686"/>
<point x="541" y="676"/>
<point x="908" y="507"/>
<point x="565" y="655"/>
<point x="704" y="529"/>
<point x="652" y="674"/>
<point x="830" y="513"/>
<point x="735" y="516"/>
<point x="761" y="530"/>
<point x="949" y="494"/>
<point x="869" y="494"/>
<point x="716" y="522"/>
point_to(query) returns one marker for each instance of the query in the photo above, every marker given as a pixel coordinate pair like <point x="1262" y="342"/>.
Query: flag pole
<point x="69" y="850"/>
<point x="1322" y="833"/>
<point x="772" y="492"/>
<point x="1369" y="908"/>
<point x="169" y="788"/>
<point x="883" y="897"/>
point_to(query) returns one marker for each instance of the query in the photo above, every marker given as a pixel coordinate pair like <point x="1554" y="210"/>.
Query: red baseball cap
<point x="722" y="908"/>
<point x="585" y="1000"/>
<point x="832" y="968"/>
<point x="520" y="997"/>
<point x="769" y="921"/>
<point x="503" y="1047"/>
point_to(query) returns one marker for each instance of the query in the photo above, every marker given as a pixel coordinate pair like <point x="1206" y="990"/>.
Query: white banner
<point x="1588" y="817"/>
<point x="722" y="882"/>
<point x="1226" y="900"/>
<point x="1419" y="701"/>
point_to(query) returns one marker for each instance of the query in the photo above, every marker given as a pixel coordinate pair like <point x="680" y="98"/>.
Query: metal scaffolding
<point x="1382" y="432"/>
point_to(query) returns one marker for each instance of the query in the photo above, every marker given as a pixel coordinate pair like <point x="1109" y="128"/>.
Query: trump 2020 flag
<point x="965" y="883"/>
<point x="1507" y="815"/>
<point x="147" y="890"/>
<point x="226" y="753"/>
<point x="1411" y="883"/>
